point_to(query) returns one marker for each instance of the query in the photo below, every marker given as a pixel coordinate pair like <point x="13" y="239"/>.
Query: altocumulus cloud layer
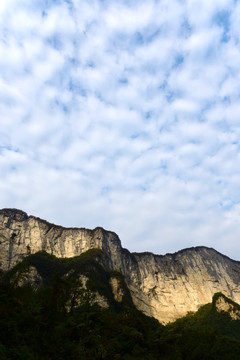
<point x="126" y="115"/>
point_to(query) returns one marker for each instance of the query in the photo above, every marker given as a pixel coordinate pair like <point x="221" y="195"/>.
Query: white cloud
<point x="134" y="18"/>
<point x="124" y="115"/>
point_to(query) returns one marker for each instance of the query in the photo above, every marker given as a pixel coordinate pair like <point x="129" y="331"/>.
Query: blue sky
<point x="126" y="115"/>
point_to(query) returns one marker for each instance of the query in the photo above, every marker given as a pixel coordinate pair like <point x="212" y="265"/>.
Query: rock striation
<point x="165" y="287"/>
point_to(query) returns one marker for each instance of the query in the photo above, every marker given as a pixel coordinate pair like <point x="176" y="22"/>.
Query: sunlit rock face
<point x="165" y="287"/>
<point x="175" y="284"/>
<point x="223" y="304"/>
<point x="117" y="289"/>
<point x="21" y="235"/>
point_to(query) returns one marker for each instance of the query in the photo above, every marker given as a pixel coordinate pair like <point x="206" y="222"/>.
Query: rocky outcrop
<point x="223" y="304"/>
<point x="30" y="276"/>
<point x="166" y="287"/>
<point x="117" y="289"/>
<point x="81" y="294"/>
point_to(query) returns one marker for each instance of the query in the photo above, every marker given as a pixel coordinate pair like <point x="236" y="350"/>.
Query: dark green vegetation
<point x="55" y="316"/>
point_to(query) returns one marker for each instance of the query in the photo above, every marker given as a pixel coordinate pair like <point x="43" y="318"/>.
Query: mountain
<point x="164" y="287"/>
<point x="73" y="308"/>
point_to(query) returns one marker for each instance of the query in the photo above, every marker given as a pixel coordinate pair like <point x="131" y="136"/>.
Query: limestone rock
<point x="82" y="294"/>
<point x="175" y="284"/>
<point x="30" y="276"/>
<point x="223" y="304"/>
<point x="165" y="287"/>
<point x="21" y="235"/>
<point x="117" y="289"/>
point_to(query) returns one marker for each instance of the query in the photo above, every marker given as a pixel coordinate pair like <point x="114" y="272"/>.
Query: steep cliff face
<point x="166" y="287"/>
<point x="175" y="284"/>
<point x="21" y="235"/>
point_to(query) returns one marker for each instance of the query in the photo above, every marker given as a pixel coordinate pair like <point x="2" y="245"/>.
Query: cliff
<point x="165" y="287"/>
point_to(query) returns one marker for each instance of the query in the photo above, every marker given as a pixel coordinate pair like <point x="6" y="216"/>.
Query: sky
<point x="125" y="115"/>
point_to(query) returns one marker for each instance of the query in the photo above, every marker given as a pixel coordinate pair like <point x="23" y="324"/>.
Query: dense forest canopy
<point x="58" y="318"/>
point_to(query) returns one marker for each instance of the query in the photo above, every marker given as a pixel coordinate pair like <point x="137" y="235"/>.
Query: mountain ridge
<point x="166" y="286"/>
<point x="26" y="216"/>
